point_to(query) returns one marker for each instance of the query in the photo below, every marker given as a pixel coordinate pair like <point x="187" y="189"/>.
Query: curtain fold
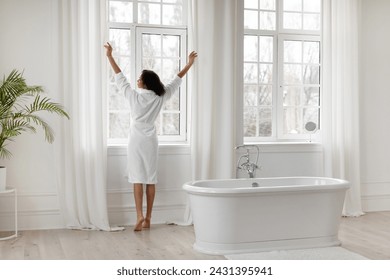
<point x="81" y="148"/>
<point x="341" y="98"/>
<point x="213" y="33"/>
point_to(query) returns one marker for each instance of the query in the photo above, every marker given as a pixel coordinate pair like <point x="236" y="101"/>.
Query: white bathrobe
<point x="145" y="106"/>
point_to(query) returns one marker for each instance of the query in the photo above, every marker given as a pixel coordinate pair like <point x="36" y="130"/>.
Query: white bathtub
<point x="231" y="216"/>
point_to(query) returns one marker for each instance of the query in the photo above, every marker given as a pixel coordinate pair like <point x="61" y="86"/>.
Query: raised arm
<point x="191" y="59"/>
<point x="114" y="66"/>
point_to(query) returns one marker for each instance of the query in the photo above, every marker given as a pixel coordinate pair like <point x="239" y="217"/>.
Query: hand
<point x="108" y="49"/>
<point x="111" y="59"/>
<point x="191" y="57"/>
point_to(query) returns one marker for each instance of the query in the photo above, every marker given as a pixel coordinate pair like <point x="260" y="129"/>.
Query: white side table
<point x="12" y="191"/>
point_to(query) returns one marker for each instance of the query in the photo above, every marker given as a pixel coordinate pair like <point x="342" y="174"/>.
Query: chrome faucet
<point x="246" y="164"/>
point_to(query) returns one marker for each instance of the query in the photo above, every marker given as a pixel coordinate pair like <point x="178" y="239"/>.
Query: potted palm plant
<point x="20" y="105"/>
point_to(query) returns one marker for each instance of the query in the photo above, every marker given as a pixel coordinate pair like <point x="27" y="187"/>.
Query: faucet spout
<point x="247" y="165"/>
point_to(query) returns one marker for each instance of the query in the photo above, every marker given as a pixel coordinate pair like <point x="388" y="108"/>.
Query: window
<point x="148" y="34"/>
<point x="281" y="68"/>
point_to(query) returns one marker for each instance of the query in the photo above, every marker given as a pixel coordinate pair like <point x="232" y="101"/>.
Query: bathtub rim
<point x="338" y="185"/>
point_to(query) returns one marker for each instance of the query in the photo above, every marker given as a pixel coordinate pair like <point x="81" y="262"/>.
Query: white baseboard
<point x="375" y="196"/>
<point x="376" y="203"/>
<point x="36" y="210"/>
<point x="32" y="220"/>
<point x="40" y="211"/>
<point x="118" y="216"/>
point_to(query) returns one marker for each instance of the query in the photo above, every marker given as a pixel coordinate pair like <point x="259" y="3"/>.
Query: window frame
<point x="274" y="86"/>
<point x="136" y="29"/>
<point x="181" y="137"/>
<point x="280" y="34"/>
<point x="282" y="39"/>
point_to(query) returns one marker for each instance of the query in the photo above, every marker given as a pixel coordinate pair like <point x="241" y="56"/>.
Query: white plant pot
<point x="3" y="178"/>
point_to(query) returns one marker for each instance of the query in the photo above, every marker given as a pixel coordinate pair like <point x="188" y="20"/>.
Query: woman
<point x="145" y="106"/>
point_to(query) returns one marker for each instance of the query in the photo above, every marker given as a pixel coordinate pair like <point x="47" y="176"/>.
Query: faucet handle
<point x="247" y="147"/>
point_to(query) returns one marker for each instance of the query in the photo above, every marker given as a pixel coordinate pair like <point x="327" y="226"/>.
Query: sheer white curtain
<point x="213" y="33"/>
<point x="81" y="146"/>
<point x="341" y="97"/>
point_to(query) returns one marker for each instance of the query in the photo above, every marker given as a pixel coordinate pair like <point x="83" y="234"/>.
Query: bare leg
<point x="138" y="197"/>
<point x="150" y="193"/>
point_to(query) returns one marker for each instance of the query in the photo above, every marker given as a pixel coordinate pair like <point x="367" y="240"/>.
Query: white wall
<point x="375" y="101"/>
<point x="27" y="43"/>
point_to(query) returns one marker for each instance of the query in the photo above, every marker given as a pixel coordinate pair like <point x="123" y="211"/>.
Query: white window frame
<point x="280" y="8"/>
<point x="135" y="66"/>
<point x="274" y="85"/>
<point x="280" y="117"/>
<point x="280" y="34"/>
<point x="181" y="137"/>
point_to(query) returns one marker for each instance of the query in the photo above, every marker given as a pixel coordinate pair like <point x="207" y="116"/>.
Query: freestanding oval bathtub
<point x="264" y="214"/>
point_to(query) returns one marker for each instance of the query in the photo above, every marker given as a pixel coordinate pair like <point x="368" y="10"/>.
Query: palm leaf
<point x="14" y="127"/>
<point x="16" y="117"/>
<point x="45" y="104"/>
<point x="12" y="89"/>
<point x="4" y="153"/>
<point x="12" y="86"/>
<point x="49" y="133"/>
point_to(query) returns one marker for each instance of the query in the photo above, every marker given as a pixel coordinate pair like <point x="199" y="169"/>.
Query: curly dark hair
<point x="152" y="82"/>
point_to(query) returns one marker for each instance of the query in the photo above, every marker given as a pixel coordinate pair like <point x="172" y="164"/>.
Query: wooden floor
<point x="160" y="242"/>
<point x="368" y="235"/>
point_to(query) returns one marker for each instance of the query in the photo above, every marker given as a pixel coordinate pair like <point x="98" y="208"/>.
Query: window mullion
<point x="280" y="88"/>
<point x="133" y="55"/>
<point x="135" y="11"/>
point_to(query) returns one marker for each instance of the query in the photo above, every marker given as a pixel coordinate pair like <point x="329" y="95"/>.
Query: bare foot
<point x="138" y="225"/>
<point x="146" y="223"/>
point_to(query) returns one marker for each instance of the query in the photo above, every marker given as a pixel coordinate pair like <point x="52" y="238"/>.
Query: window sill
<point x="265" y="147"/>
<point x="288" y="147"/>
<point x="164" y="149"/>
